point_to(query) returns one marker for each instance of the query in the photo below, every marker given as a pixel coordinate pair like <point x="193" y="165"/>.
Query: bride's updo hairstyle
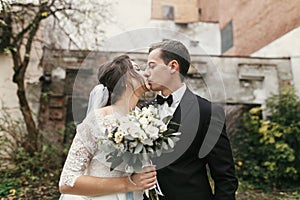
<point x="116" y="75"/>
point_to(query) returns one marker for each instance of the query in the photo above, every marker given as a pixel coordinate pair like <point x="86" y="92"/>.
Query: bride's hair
<point x="116" y="76"/>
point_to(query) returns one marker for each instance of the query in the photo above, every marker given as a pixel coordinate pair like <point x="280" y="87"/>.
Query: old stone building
<point x="69" y="76"/>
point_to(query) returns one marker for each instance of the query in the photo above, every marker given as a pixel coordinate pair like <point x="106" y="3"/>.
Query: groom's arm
<point x="221" y="162"/>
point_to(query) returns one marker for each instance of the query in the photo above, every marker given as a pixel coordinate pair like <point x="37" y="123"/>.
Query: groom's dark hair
<point x="174" y="50"/>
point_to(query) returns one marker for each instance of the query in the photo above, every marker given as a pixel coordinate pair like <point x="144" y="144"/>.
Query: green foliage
<point x="27" y="175"/>
<point x="267" y="151"/>
<point x="24" y="175"/>
<point x="7" y="185"/>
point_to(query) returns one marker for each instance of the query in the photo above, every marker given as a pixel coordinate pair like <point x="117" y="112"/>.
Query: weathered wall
<point x="229" y="80"/>
<point x="286" y="46"/>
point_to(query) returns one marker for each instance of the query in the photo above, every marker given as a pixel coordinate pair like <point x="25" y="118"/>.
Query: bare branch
<point x="67" y="34"/>
<point x="71" y="18"/>
<point x="26" y="5"/>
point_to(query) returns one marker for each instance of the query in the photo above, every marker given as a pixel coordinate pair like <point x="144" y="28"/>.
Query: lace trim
<point x="84" y="148"/>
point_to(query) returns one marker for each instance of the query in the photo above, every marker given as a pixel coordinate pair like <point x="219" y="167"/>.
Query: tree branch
<point x="67" y="34"/>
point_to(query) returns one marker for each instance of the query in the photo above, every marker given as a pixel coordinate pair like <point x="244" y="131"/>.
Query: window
<point x="227" y="37"/>
<point x="168" y="12"/>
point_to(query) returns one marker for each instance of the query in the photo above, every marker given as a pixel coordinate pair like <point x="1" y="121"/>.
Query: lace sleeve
<point x="81" y="152"/>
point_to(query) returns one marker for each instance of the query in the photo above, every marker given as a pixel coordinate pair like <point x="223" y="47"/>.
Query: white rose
<point x="152" y="132"/>
<point x="135" y="131"/>
<point x="148" y="111"/>
<point x="156" y="122"/>
<point x="144" y="126"/>
<point x="132" y="118"/>
<point x="142" y="136"/>
<point x="127" y="127"/>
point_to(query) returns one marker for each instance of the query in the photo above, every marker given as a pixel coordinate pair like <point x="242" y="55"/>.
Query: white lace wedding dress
<point x="86" y="158"/>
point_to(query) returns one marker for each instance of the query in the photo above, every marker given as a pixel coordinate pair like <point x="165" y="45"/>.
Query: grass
<point x="247" y="192"/>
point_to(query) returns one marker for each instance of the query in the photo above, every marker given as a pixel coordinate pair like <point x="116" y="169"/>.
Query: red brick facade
<point x="255" y="23"/>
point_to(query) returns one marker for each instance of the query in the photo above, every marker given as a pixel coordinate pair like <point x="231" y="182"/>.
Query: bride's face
<point x="137" y="83"/>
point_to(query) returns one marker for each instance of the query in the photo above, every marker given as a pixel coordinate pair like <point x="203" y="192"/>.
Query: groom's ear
<point x="174" y="66"/>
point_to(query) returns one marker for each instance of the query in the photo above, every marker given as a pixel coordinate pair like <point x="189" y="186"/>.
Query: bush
<point x="267" y="151"/>
<point x="27" y="176"/>
<point x="32" y="177"/>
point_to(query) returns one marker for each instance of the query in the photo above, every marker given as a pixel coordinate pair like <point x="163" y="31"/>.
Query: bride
<point x="85" y="174"/>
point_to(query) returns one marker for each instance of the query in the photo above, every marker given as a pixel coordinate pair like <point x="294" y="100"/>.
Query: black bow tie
<point x="161" y="100"/>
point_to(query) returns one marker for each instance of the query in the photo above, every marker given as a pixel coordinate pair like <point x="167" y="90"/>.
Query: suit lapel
<point x="190" y="117"/>
<point x="187" y="115"/>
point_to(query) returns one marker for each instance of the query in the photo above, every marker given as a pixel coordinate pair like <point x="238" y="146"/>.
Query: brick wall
<point x="257" y="23"/>
<point x="183" y="11"/>
<point x="209" y="10"/>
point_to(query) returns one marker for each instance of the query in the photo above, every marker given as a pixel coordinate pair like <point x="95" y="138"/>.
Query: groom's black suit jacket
<point x="182" y="174"/>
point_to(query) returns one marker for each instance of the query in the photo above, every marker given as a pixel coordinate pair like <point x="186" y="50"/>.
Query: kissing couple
<point x="178" y="175"/>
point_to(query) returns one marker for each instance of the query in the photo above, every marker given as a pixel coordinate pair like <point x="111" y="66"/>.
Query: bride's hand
<point x="143" y="180"/>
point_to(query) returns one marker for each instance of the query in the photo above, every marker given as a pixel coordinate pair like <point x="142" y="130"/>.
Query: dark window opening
<point x="227" y="37"/>
<point x="168" y="12"/>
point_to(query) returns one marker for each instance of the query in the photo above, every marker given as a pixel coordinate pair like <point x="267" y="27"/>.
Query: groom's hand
<point x="145" y="179"/>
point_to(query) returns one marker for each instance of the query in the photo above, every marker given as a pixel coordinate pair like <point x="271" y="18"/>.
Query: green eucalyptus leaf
<point x="138" y="148"/>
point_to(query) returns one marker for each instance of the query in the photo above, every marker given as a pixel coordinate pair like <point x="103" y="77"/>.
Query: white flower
<point x="110" y="134"/>
<point x="163" y="128"/>
<point x="136" y="112"/>
<point x="132" y="118"/>
<point x="143" y="121"/>
<point x="151" y="118"/>
<point x="142" y="136"/>
<point x="127" y="127"/>
<point x="159" y="124"/>
<point x="119" y="135"/>
<point x="134" y="130"/>
<point x="152" y="131"/>
<point x="149" y="111"/>
<point x="130" y="136"/>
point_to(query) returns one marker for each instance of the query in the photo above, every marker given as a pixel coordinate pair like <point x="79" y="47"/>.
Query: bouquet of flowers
<point x="137" y="137"/>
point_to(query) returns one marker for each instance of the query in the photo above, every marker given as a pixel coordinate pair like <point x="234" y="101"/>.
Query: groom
<point x="182" y="174"/>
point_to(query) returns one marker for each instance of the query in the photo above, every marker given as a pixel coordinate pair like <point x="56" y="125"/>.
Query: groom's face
<point x="157" y="72"/>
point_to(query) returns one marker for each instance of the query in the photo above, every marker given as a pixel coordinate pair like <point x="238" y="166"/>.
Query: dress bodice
<point x="86" y="157"/>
